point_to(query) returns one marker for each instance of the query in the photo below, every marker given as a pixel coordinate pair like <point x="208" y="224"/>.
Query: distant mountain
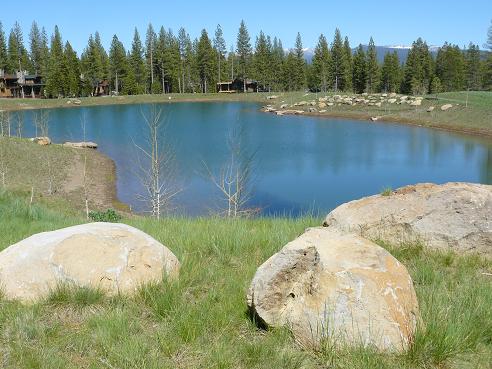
<point x="381" y="51"/>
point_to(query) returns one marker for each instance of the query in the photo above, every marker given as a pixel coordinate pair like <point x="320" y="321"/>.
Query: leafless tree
<point x="3" y="161"/>
<point x="234" y="179"/>
<point x="83" y="121"/>
<point x="41" y="122"/>
<point x="156" y="165"/>
<point x="5" y="124"/>
<point x="19" y="123"/>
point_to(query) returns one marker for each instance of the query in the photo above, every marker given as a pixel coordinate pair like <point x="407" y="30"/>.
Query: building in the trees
<point x="239" y="85"/>
<point x="21" y="85"/>
<point x="101" y="88"/>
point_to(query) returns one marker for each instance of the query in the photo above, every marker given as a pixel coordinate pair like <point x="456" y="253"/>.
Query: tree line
<point x="164" y="62"/>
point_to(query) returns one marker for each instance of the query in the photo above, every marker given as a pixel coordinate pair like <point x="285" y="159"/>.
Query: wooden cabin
<point x="101" y="88"/>
<point x="238" y="85"/>
<point x="21" y="85"/>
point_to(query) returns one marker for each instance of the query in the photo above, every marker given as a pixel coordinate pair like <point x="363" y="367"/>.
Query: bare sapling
<point x="19" y="123"/>
<point x="85" y="181"/>
<point x="41" y="123"/>
<point x="3" y="162"/>
<point x="235" y="177"/>
<point x="5" y="124"/>
<point x="156" y="165"/>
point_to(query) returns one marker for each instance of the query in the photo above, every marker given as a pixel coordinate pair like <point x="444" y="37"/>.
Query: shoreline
<point x="395" y="120"/>
<point x="12" y="105"/>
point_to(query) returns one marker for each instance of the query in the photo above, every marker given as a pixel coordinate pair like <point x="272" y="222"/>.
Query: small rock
<point x="430" y="109"/>
<point x="446" y="107"/>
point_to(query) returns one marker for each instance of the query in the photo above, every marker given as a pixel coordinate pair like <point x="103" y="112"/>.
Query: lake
<point x="301" y="164"/>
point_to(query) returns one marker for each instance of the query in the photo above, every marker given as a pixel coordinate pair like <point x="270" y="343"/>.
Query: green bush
<point x="109" y="215"/>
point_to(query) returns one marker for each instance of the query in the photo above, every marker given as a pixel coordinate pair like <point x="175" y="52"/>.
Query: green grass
<point x="386" y="191"/>
<point x="200" y="320"/>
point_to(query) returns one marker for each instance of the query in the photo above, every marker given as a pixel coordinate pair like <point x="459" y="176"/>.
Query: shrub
<point x="109" y="215"/>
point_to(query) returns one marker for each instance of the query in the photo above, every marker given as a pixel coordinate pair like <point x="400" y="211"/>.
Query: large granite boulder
<point x="453" y="216"/>
<point x="113" y="257"/>
<point x="327" y="285"/>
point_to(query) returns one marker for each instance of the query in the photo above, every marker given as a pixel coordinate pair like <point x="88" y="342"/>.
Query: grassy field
<point x="472" y="117"/>
<point x="200" y="321"/>
<point x="54" y="174"/>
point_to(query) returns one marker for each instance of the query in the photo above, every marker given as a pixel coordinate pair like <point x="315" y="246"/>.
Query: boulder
<point x="322" y="105"/>
<point x="453" y="216"/>
<point x="446" y="107"/>
<point x="391" y="101"/>
<point x="43" y="141"/>
<point x="114" y="257"/>
<point x="326" y="285"/>
<point x="374" y="119"/>
<point x="430" y="109"/>
<point x="81" y="145"/>
<point x="313" y="110"/>
<point x="284" y="106"/>
<point x="416" y="102"/>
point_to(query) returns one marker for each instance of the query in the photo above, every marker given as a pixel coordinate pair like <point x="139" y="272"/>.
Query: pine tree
<point x="261" y="60"/>
<point x="321" y="66"/>
<point x="338" y="62"/>
<point x="473" y="68"/>
<point x="206" y="58"/>
<point x="289" y="70"/>
<point x="72" y="70"/>
<point x="172" y="61"/>
<point x="372" y="68"/>
<point x="56" y="76"/>
<point x="117" y="64"/>
<point x="488" y="44"/>
<point x="137" y="65"/>
<point x="150" y="57"/>
<point x="102" y="57"/>
<point x="298" y="72"/>
<point x="36" y="46"/>
<point x="45" y="53"/>
<point x="419" y="69"/>
<point x="390" y="73"/>
<point x="450" y="67"/>
<point x="359" y="73"/>
<point x="347" y="82"/>
<point x="4" y="62"/>
<point x="244" y="51"/>
<point x="277" y="64"/>
<point x="220" y="48"/>
<point x="18" y="57"/>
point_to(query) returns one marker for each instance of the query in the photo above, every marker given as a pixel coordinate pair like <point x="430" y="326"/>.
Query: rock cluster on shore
<point x="320" y="104"/>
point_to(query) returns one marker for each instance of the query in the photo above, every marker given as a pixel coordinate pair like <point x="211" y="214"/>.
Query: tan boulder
<point x="113" y="257"/>
<point x="43" y="141"/>
<point x="326" y="285"/>
<point x="453" y="216"/>
<point x="446" y="107"/>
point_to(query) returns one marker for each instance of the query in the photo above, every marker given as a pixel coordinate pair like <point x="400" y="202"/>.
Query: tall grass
<point x="200" y="320"/>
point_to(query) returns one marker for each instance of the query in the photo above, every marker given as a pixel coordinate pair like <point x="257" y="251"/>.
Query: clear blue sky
<point x="389" y="22"/>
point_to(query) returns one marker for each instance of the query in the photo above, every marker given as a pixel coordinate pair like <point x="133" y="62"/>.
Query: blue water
<point x="301" y="163"/>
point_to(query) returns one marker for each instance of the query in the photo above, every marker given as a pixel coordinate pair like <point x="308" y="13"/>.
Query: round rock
<point x="114" y="257"/>
<point x="326" y="285"/>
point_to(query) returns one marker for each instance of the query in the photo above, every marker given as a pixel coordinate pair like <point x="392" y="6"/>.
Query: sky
<point x="388" y="22"/>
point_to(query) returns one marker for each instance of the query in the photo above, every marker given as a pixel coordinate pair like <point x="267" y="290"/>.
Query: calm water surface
<point x="302" y="163"/>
